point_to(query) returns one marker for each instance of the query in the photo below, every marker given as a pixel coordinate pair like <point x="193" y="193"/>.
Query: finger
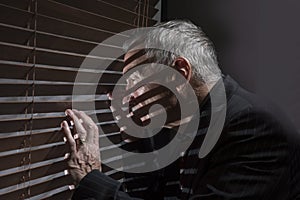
<point x="69" y="137"/>
<point x="109" y="96"/>
<point x="83" y="116"/>
<point x="78" y="124"/>
<point x="89" y="125"/>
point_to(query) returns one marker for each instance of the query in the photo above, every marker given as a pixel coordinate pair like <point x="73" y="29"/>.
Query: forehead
<point x="130" y="53"/>
<point x="132" y="58"/>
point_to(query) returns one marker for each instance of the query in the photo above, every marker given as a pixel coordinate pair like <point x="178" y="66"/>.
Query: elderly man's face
<point x="143" y="97"/>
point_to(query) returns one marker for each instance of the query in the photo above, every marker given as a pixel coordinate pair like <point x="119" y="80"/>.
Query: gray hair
<point x="184" y="39"/>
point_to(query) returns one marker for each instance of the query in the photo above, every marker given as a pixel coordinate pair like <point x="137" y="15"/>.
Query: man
<point x="255" y="157"/>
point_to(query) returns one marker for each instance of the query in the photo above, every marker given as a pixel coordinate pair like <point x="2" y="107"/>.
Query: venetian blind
<point x="42" y="45"/>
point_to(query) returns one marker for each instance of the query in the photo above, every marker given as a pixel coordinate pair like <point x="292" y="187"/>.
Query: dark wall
<point x="257" y="41"/>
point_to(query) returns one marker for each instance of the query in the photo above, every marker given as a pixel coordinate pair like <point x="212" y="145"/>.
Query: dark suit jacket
<point x="256" y="157"/>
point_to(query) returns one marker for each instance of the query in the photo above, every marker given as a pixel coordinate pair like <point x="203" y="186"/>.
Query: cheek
<point x="131" y="97"/>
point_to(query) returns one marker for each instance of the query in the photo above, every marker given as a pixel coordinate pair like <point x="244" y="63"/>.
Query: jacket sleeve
<point x="97" y="186"/>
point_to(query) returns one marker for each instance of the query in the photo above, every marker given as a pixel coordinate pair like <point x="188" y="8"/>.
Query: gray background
<point x="257" y="41"/>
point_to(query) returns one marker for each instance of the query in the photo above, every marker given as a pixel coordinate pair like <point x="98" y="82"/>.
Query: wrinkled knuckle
<point x="82" y="130"/>
<point x="72" y="161"/>
<point x="92" y="126"/>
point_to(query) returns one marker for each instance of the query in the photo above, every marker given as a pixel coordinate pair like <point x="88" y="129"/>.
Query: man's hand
<point x="84" y="145"/>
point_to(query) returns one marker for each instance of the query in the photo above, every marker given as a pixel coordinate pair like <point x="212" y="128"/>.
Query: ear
<point x="183" y="66"/>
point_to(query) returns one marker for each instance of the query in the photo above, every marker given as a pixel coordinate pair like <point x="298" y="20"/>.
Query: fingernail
<point x="112" y="109"/>
<point x="63" y="124"/>
<point x="71" y="187"/>
<point x="123" y="128"/>
<point x="68" y="112"/>
<point x="109" y="96"/>
<point x="66" y="155"/>
<point x="66" y="172"/>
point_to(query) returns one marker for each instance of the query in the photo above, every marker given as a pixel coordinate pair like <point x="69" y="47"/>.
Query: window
<point x="43" y="43"/>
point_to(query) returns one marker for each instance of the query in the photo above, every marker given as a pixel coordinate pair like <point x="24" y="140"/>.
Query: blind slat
<point x="59" y="193"/>
<point x="34" y="172"/>
<point x="55" y="129"/>
<point x="14" y="16"/>
<point x="42" y="90"/>
<point x="68" y="13"/>
<point x="31" y="166"/>
<point x="37" y="186"/>
<point x="20" y="18"/>
<point x="132" y="5"/>
<point x="72" y="29"/>
<point x="105" y="9"/>
<point x="19" y="174"/>
<point x="54" y="99"/>
<point x="17" y="35"/>
<point x="21" y="53"/>
<point x="46" y="107"/>
<point x="35" y="140"/>
<point x="105" y="114"/>
<point x="62" y="69"/>
<point x="19" y="70"/>
<point x="40" y="141"/>
<point x="51" y="51"/>
<point x="122" y="14"/>
<point x="41" y="123"/>
<point x="39" y="155"/>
